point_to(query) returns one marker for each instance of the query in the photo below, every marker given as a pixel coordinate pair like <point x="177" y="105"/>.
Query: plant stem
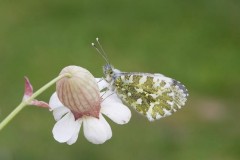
<point x="12" y="114"/>
<point x="29" y="100"/>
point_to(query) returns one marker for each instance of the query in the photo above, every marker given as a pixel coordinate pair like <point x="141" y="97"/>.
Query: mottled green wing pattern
<point x="153" y="95"/>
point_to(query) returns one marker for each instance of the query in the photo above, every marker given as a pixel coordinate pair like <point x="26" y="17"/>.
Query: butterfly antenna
<point x="99" y="44"/>
<point x="100" y="52"/>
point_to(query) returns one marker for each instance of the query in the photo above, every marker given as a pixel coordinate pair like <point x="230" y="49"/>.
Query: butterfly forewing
<point x="152" y="95"/>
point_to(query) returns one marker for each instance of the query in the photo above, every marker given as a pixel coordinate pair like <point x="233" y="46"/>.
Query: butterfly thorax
<point x="110" y="73"/>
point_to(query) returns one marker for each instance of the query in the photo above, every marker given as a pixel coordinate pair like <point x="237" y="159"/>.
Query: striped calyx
<point x="79" y="92"/>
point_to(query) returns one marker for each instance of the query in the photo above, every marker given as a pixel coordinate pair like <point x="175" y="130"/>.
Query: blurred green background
<point x="196" y="42"/>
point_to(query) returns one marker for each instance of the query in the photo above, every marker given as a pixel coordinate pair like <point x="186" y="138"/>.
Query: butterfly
<point x="152" y="95"/>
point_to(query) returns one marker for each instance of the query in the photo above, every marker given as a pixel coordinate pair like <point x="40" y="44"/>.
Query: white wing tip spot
<point x="143" y="80"/>
<point x="139" y="101"/>
<point x="166" y="112"/>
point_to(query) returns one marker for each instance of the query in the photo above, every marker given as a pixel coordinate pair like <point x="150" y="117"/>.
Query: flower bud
<point x="79" y="92"/>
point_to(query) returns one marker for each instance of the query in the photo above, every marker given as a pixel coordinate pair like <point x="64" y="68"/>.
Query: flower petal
<point x="116" y="111"/>
<point x="74" y="138"/>
<point x="108" y="128"/>
<point x="59" y="112"/>
<point x="65" y="128"/>
<point x="55" y="102"/>
<point x="110" y="97"/>
<point x="101" y="83"/>
<point x="96" y="130"/>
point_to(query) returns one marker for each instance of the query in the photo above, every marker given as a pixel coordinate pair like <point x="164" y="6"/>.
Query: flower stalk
<point x="28" y="101"/>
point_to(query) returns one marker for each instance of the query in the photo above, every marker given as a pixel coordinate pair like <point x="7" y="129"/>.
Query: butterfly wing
<point x="153" y="95"/>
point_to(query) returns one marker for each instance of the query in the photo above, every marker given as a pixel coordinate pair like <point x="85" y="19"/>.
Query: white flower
<point x="96" y="130"/>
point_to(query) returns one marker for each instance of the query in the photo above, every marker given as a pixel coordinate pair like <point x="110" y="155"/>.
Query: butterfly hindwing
<point x="153" y="95"/>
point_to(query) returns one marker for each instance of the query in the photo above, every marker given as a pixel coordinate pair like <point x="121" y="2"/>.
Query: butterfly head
<point x="108" y="71"/>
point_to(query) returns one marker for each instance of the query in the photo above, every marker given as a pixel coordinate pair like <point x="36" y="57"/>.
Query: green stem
<point x="29" y="100"/>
